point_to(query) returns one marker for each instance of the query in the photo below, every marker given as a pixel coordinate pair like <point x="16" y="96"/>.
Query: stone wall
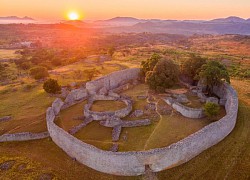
<point x="112" y="80"/>
<point x="24" y="136"/>
<point x="133" y="163"/>
<point x="105" y="115"/>
<point x="184" y="110"/>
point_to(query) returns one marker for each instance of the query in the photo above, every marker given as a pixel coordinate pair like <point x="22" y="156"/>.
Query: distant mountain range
<point x="229" y="25"/>
<point x="15" y="18"/>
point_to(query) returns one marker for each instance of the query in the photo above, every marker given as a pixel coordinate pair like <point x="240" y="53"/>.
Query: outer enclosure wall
<point x="133" y="163"/>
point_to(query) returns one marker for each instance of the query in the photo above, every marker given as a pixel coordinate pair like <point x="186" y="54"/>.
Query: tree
<point x="164" y="75"/>
<point x="51" y="86"/>
<point x="39" y="72"/>
<point x="191" y="67"/>
<point x="150" y="63"/>
<point x="213" y="73"/>
<point x="211" y="109"/>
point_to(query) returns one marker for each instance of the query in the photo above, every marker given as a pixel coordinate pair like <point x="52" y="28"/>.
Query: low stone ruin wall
<point x="133" y="163"/>
<point x="113" y="80"/>
<point x="24" y="136"/>
<point x="195" y="113"/>
<point x="105" y="115"/>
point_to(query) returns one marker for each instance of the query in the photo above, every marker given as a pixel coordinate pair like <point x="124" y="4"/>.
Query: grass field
<point x="27" y="108"/>
<point x="7" y="54"/>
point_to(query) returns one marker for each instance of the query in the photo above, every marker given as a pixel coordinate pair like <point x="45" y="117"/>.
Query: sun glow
<point x="73" y="16"/>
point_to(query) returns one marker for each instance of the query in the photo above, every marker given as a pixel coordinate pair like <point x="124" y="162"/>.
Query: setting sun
<point x="73" y="16"/>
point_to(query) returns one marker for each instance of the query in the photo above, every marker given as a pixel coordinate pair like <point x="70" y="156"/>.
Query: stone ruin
<point x="111" y="119"/>
<point x="133" y="162"/>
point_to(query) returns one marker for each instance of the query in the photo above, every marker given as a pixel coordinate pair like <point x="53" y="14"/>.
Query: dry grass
<point x="101" y="106"/>
<point x="27" y="107"/>
<point x="7" y="54"/>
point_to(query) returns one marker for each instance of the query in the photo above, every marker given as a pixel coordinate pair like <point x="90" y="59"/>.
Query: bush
<point x="164" y="75"/>
<point x="51" y="86"/>
<point x="39" y="72"/>
<point x="211" y="109"/>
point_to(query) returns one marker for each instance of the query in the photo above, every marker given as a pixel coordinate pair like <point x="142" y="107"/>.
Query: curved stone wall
<point x="104" y="115"/>
<point x="133" y="163"/>
<point x="195" y="113"/>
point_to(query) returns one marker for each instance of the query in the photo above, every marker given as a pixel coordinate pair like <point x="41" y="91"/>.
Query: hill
<point x="16" y="18"/>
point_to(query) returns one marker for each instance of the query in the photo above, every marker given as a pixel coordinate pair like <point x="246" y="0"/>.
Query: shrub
<point x="211" y="109"/>
<point x="39" y="72"/>
<point x="51" y="86"/>
<point x="164" y="75"/>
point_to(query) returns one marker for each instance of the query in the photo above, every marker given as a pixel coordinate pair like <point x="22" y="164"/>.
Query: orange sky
<point x="103" y="9"/>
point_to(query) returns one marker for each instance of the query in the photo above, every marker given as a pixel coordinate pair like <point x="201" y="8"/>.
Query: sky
<point x="144" y="9"/>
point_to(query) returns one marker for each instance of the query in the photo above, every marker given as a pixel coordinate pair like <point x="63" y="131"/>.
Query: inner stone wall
<point x="133" y="163"/>
<point x="113" y="80"/>
<point x="195" y="113"/>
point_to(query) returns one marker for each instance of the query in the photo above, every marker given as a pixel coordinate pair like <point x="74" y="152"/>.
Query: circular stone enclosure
<point x="98" y="116"/>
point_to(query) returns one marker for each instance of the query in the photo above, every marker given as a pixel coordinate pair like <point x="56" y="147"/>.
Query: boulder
<point x="57" y="105"/>
<point x="213" y="100"/>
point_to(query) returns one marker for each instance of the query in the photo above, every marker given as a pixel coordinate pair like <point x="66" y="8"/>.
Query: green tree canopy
<point x="213" y="73"/>
<point x="191" y="67"/>
<point x="164" y="75"/>
<point x="150" y="63"/>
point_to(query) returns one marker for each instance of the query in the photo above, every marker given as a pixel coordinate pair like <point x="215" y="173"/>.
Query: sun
<point x="73" y="16"/>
